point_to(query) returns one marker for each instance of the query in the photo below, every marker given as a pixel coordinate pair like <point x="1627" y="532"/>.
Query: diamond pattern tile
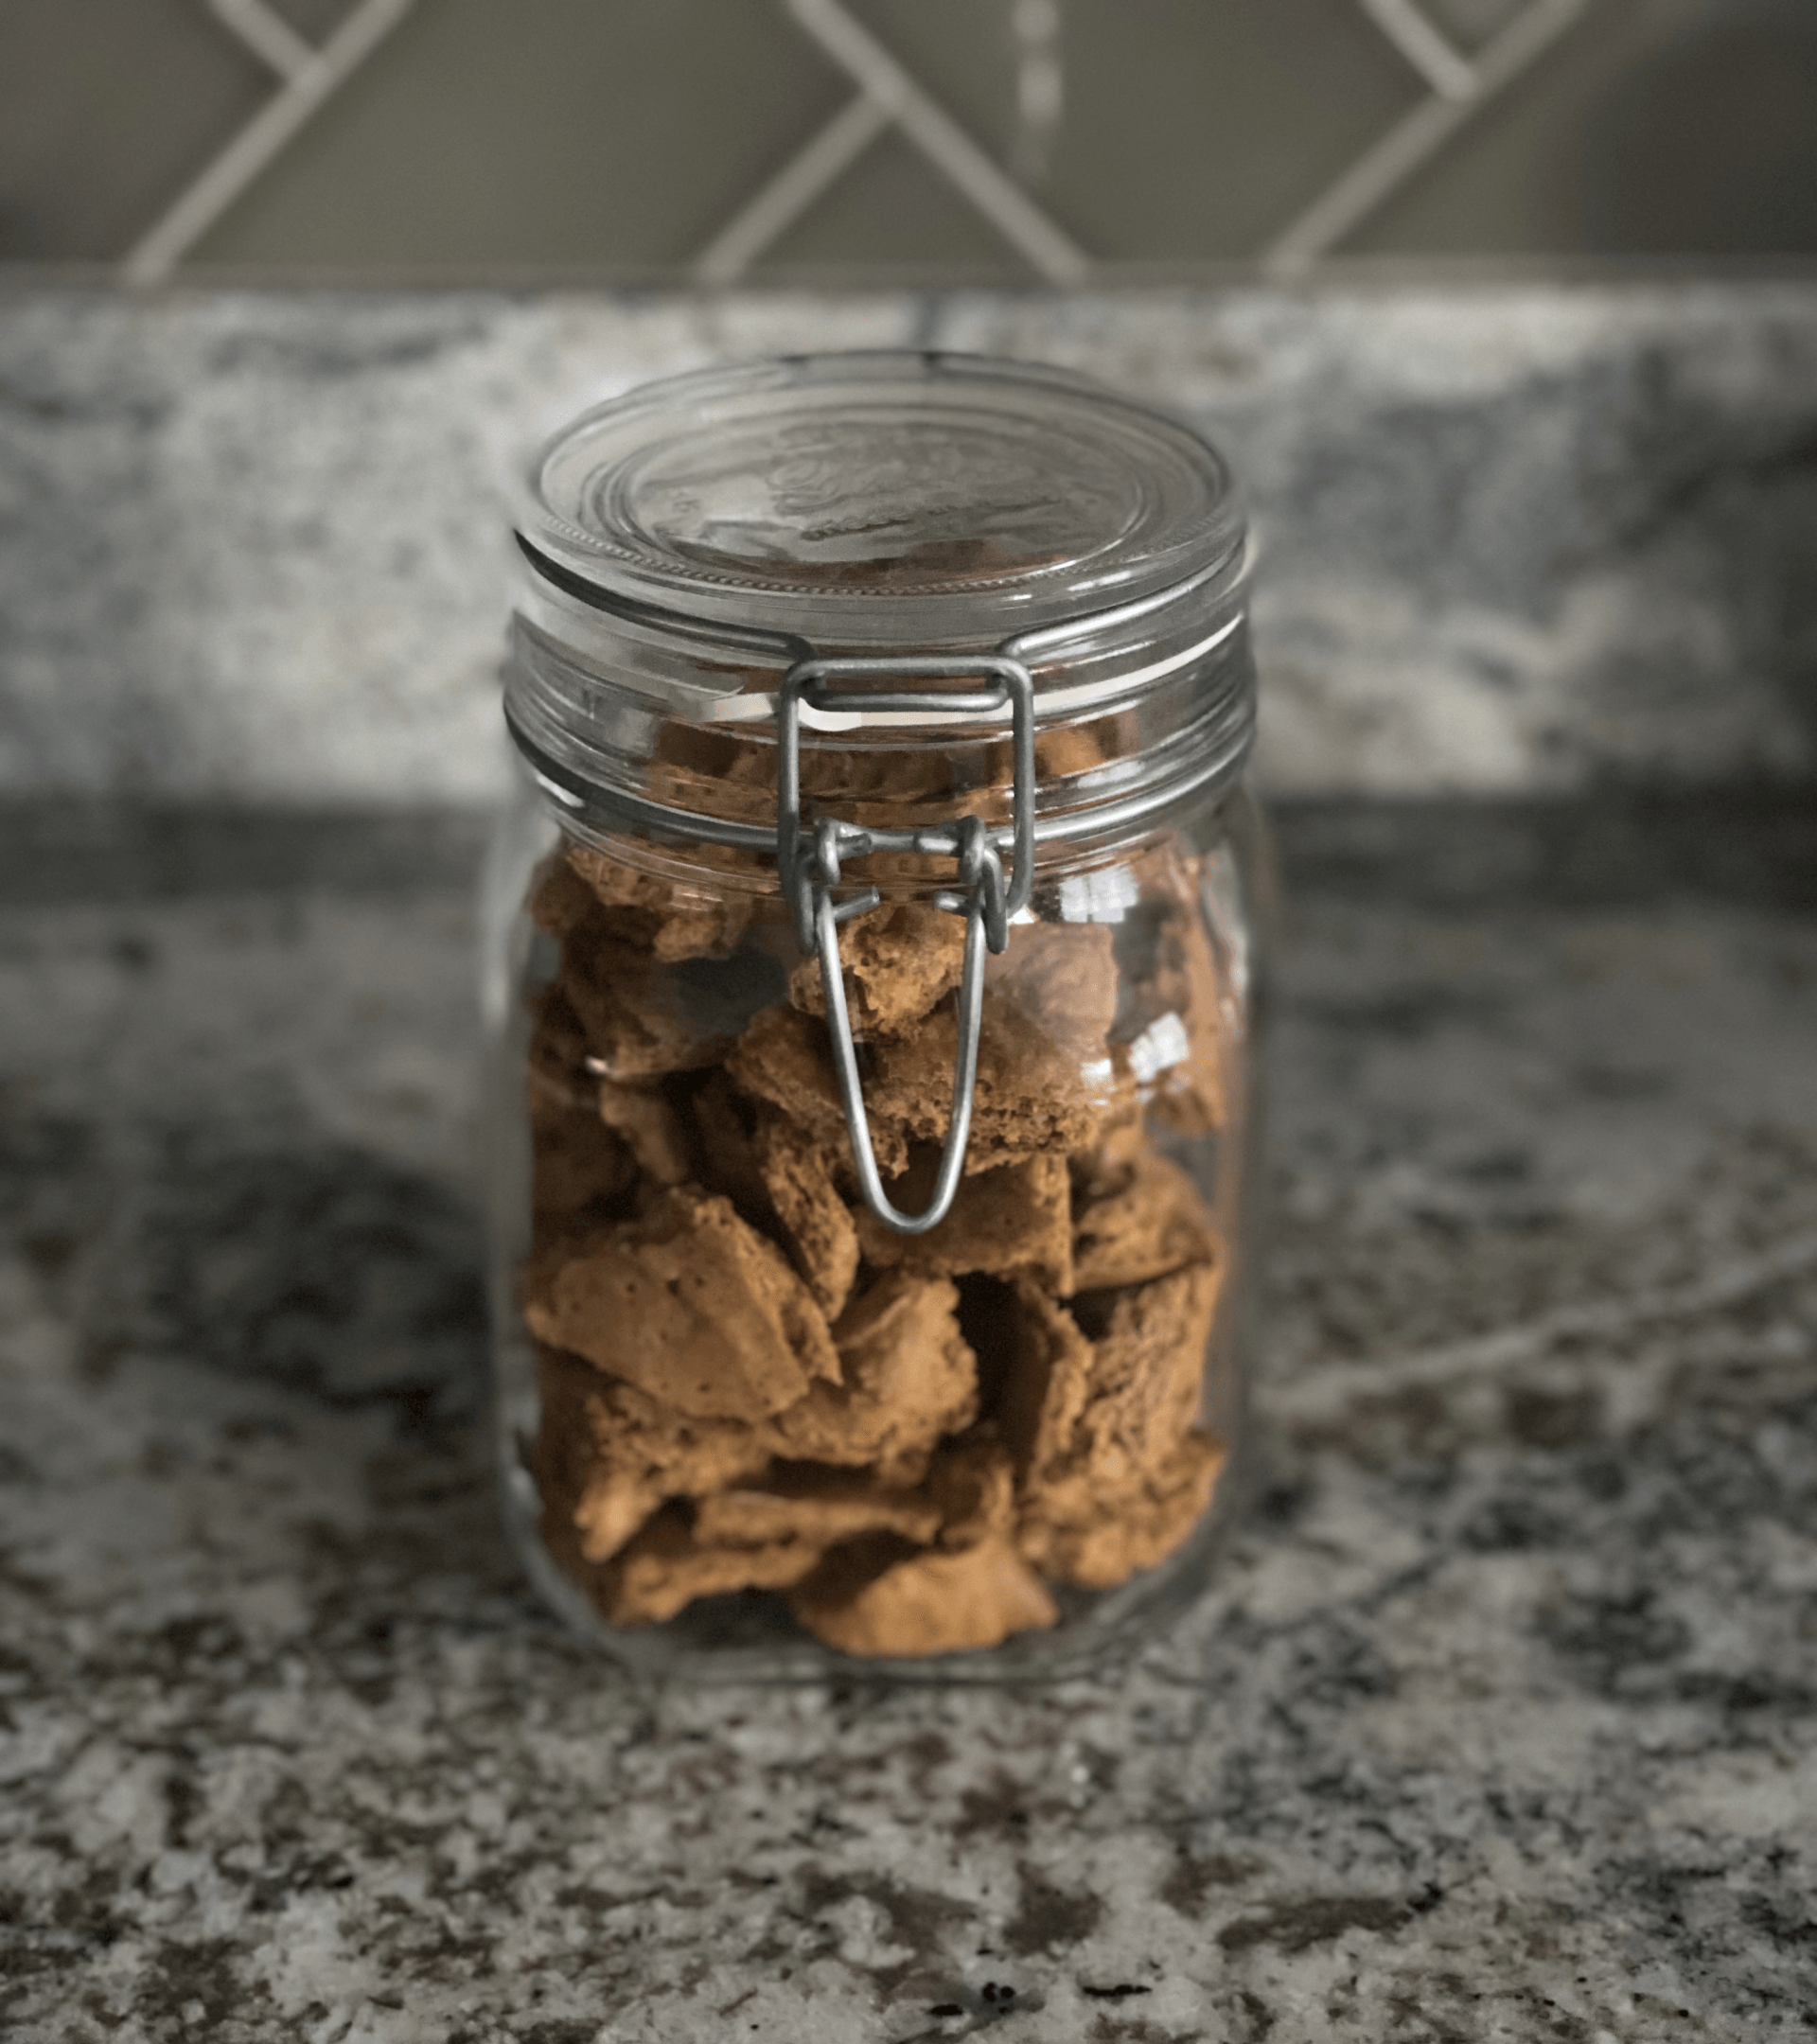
<point x="87" y="152"/>
<point x="614" y="136"/>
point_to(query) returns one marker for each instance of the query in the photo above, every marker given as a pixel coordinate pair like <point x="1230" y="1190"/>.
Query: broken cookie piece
<point x="818" y="1506"/>
<point x="1136" y="1216"/>
<point x="644" y="1020"/>
<point x="1101" y="1416"/>
<point x="972" y="1484"/>
<point x="908" y="1377"/>
<point x="1076" y="1531"/>
<point x="898" y="962"/>
<point x="864" y="1602"/>
<point x="645" y="1122"/>
<point x="666" y="1567"/>
<point x="821" y="1236"/>
<point x="783" y="1058"/>
<point x="609" y="1456"/>
<point x="1175" y="1029"/>
<point x="690" y="1304"/>
<point x="671" y="920"/>
<point x="1014" y="1219"/>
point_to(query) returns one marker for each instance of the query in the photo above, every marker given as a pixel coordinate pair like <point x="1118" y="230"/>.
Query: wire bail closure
<point x="809" y="861"/>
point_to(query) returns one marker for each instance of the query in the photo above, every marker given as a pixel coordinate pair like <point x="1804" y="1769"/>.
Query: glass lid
<point x="848" y="499"/>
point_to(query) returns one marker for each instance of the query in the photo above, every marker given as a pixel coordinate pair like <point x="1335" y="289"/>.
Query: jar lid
<point x="691" y="546"/>
<point x="888" y="498"/>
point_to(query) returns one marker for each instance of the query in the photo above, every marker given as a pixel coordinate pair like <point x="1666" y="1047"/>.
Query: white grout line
<point x="1381" y="169"/>
<point x="791" y="191"/>
<point x="260" y="141"/>
<point x="941" y="139"/>
<point x="267" y="34"/>
<point x="1424" y="46"/>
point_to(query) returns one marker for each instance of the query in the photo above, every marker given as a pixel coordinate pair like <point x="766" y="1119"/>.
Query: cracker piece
<point x="651" y="1128"/>
<point x="644" y="1018"/>
<point x="1031" y="1094"/>
<point x="898" y="960"/>
<point x="909" y="1377"/>
<point x="1062" y="979"/>
<point x="1177" y="1053"/>
<point x="1148" y="1372"/>
<point x="817" y="1225"/>
<point x="783" y="1058"/>
<point x="558" y="1074"/>
<point x="1136" y="1219"/>
<point x="1082" y="1535"/>
<point x="923" y="1604"/>
<point x="725" y="1147"/>
<point x="690" y="1304"/>
<point x="673" y="920"/>
<point x="580" y="1171"/>
<point x="1016" y="1217"/>
<point x="614" y="1456"/>
<point x="1069" y="748"/>
<point x="972" y="1483"/>
<point x="1048" y="1377"/>
<point x="665" y="1568"/>
<point x="559" y="900"/>
<point x="819" y="1507"/>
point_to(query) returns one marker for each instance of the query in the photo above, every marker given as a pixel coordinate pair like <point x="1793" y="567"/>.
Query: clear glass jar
<point x="870" y="958"/>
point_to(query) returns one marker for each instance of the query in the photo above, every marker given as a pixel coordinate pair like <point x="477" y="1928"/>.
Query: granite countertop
<point x="1496" y="1723"/>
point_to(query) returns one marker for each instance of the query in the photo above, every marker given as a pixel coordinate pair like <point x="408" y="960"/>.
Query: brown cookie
<point x="1081" y="1533"/>
<point x="672" y="919"/>
<point x="922" y="1603"/>
<point x="908" y="1378"/>
<point x="690" y="1304"/>
<point x="1016" y="1217"/>
<point x="816" y="1506"/>
<point x="609" y="1456"/>
<point x="816" y="1223"/>
<point x="1031" y="1094"/>
<point x="898" y="960"/>
<point x="649" y="1127"/>
<point x="644" y="1020"/>
<point x="1175" y="1053"/>
<point x="783" y="1058"/>
<point x="972" y="1483"/>
<point x="665" y="1568"/>
<point x="1135" y="1218"/>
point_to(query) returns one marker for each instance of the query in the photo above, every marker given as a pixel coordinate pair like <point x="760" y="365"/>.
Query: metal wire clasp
<point x="808" y="862"/>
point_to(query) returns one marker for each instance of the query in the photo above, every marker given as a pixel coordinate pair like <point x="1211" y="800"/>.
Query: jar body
<point x="747" y="1430"/>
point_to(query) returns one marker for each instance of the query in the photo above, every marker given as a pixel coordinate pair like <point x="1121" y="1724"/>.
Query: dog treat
<point x="690" y="1304"/>
<point x="909" y="1378"/>
<point x="1018" y="1217"/>
<point x="1136" y="1216"/>
<point x="923" y="1603"/>
<point x="816" y="1223"/>
<point x="676" y="922"/>
<point x="750" y="1383"/>
<point x="898" y="960"/>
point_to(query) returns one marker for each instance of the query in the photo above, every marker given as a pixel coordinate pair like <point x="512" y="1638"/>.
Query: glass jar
<point x="868" y="969"/>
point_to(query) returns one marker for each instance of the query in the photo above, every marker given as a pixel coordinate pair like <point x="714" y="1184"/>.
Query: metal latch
<point x="808" y="860"/>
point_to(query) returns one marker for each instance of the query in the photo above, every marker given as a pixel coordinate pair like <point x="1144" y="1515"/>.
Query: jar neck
<point x="643" y="723"/>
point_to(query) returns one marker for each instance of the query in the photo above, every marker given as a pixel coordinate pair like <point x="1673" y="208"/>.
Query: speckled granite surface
<point x="1497" y="1725"/>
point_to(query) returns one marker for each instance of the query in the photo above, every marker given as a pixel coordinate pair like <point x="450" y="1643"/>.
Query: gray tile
<point x="106" y="111"/>
<point x="893" y="210"/>
<point x="559" y="132"/>
<point x="1195" y="130"/>
<point x="1673" y="127"/>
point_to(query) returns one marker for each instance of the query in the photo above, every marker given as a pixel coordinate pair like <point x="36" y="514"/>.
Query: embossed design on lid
<point x="811" y="494"/>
